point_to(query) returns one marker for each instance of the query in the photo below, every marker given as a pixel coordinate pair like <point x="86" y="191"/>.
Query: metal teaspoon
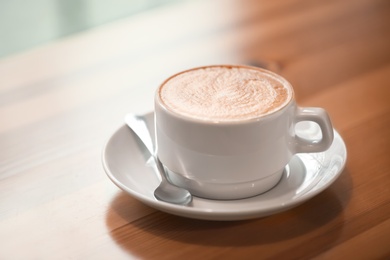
<point x="165" y="191"/>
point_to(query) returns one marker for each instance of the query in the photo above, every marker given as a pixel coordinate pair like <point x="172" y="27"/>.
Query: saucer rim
<point x="192" y="211"/>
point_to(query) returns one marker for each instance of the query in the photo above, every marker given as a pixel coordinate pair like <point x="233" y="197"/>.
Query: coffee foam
<point x="222" y="93"/>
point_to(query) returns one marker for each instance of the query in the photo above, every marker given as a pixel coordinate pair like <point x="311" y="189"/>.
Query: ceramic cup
<point x="234" y="159"/>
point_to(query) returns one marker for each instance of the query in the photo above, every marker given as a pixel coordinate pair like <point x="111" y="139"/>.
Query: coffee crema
<point x="225" y="93"/>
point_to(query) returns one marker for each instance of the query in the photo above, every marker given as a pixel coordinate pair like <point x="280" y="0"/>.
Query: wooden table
<point x="59" y="103"/>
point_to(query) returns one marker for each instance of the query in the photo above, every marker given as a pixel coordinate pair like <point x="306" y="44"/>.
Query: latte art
<point x="222" y="93"/>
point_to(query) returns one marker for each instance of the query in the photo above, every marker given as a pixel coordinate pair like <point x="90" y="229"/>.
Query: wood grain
<point x="60" y="102"/>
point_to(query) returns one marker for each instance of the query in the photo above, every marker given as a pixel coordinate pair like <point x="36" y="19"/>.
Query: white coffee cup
<point x="234" y="158"/>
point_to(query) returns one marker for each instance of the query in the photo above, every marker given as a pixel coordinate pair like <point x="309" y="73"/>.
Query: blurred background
<point x="28" y="23"/>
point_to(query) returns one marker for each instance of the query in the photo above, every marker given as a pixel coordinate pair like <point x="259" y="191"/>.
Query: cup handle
<point x="321" y="117"/>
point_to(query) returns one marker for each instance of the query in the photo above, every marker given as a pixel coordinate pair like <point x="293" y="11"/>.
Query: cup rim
<point x="160" y="103"/>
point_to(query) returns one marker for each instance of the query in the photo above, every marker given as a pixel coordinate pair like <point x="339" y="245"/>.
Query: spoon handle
<point x="138" y="124"/>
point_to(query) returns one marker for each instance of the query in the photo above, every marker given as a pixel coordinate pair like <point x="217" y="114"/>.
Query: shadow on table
<point x="320" y="217"/>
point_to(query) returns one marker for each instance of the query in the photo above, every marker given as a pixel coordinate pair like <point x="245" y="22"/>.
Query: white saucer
<point x="125" y="161"/>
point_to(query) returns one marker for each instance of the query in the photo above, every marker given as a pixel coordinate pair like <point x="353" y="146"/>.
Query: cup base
<point x="225" y="191"/>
